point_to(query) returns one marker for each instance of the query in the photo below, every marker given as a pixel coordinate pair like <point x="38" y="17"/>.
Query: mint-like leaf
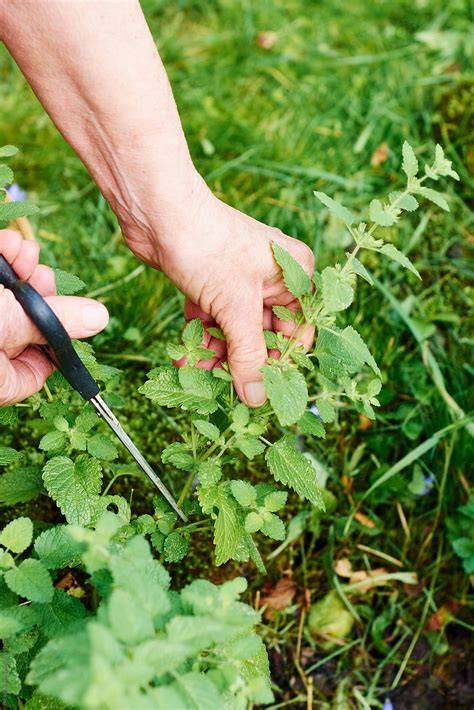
<point x="335" y="208"/>
<point x="17" y="535"/>
<point x="337" y="290"/>
<point x="67" y="284"/>
<point x="410" y="163"/>
<point x="74" y="486"/>
<point x="287" y="391"/>
<point x="30" y="580"/>
<point x="393" y="253"/>
<point x="295" y="277"/>
<point x="290" y="467"/>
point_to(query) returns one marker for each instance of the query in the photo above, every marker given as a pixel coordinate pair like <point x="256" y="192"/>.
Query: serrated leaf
<point x="7" y="151"/>
<point x="410" y="163"/>
<point x="101" y="447"/>
<point x="404" y="201"/>
<point x="54" y="441"/>
<point x="295" y="277"/>
<point x="6" y="175"/>
<point x="342" y="352"/>
<point x="86" y="421"/>
<point x="360" y="269"/>
<point x="8" y="415"/>
<point x="165" y="388"/>
<point x="209" y="473"/>
<point x="10" y="682"/>
<point x="178" y="455"/>
<point x="287" y="391"/>
<point x="20" y="485"/>
<point x="253" y="522"/>
<point x="13" y="210"/>
<point x="207" y="429"/>
<point x="249" y="445"/>
<point x="335" y="208"/>
<point x="285" y="314"/>
<point x="379" y="215"/>
<point x="30" y="580"/>
<point x="216" y="333"/>
<point x="311" y="425"/>
<point x="175" y="547"/>
<point x="228" y="528"/>
<point x="222" y="374"/>
<point x="67" y="284"/>
<point x="290" y="467"/>
<point x="302" y="360"/>
<point x="74" y="486"/>
<point x="175" y="352"/>
<point x="393" y="253"/>
<point x="434" y="196"/>
<point x="337" y="290"/>
<point x="130" y="623"/>
<point x="326" y="410"/>
<point x="244" y="493"/>
<point x="193" y="333"/>
<point x="275" y="501"/>
<point x="17" y="535"/>
<point x="63" y="611"/>
<point x="9" y="455"/>
<point x="274" y="528"/>
<point x="56" y="548"/>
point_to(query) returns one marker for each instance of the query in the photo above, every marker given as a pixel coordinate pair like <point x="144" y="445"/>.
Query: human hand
<point x="222" y="261"/>
<point x="24" y="368"/>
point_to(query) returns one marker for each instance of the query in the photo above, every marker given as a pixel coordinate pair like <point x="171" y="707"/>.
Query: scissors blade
<point x="104" y="411"/>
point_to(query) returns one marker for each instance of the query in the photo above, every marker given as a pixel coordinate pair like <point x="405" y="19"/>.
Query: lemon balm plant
<point x="221" y="428"/>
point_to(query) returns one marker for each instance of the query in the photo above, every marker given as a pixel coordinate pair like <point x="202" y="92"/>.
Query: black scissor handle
<point x="49" y="325"/>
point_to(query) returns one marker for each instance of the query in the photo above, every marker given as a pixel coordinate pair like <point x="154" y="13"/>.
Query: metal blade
<point x="104" y="411"/>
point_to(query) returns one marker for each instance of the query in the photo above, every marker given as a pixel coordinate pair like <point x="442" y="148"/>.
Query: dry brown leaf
<point x="364" y="520"/>
<point x="443" y="616"/>
<point x="281" y="595"/>
<point x="379" y="156"/>
<point x="343" y="567"/>
<point x="364" y="422"/>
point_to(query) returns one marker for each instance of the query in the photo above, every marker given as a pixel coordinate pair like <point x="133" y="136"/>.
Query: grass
<point x="266" y="127"/>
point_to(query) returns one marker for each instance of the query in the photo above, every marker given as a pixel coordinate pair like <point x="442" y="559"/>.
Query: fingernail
<point x="255" y="393"/>
<point x="95" y="317"/>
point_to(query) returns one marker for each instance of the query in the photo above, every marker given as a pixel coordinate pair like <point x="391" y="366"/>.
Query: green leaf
<point x="326" y="410"/>
<point x="8" y="415"/>
<point x="434" y="196"/>
<point x="240" y="418"/>
<point x="253" y="522"/>
<point x="178" y="455"/>
<point x="9" y="679"/>
<point x="201" y="386"/>
<point x="216" y="333"/>
<point x="274" y="527"/>
<point x="30" y="580"/>
<point x="311" y="425"/>
<point x="249" y="445"/>
<point x="404" y="201"/>
<point x="285" y="314"/>
<point x="379" y="215"/>
<point x="410" y="163"/>
<point x="56" y="548"/>
<point x="17" y="535"/>
<point x="101" y="447"/>
<point x="54" y="441"/>
<point x="228" y="527"/>
<point x="20" y="485"/>
<point x="193" y="333"/>
<point x="198" y="692"/>
<point x="74" y="486"/>
<point x="9" y="455"/>
<point x="295" y="277"/>
<point x="209" y="473"/>
<point x="275" y="501"/>
<point x="244" y="493"/>
<point x="360" y="269"/>
<point x="287" y="391"/>
<point x="335" y="208"/>
<point x="7" y="151"/>
<point x="175" y="547"/>
<point x="85" y="421"/>
<point x="67" y="284"/>
<point x="13" y="210"/>
<point x="208" y="430"/>
<point x="175" y="352"/>
<point x="302" y="360"/>
<point x="57" y="616"/>
<point x="6" y="175"/>
<point x="290" y="467"/>
<point x="337" y="290"/>
<point x="130" y="623"/>
<point x="342" y="352"/>
<point x="393" y="253"/>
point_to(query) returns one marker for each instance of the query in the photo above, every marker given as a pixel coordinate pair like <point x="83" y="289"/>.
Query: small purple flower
<point x="15" y="193"/>
<point x="387" y="705"/>
<point x="428" y="480"/>
<point x="314" y="410"/>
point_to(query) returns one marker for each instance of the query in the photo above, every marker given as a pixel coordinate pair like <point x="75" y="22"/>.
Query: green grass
<point x="266" y="128"/>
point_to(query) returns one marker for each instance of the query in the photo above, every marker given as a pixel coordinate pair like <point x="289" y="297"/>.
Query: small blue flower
<point x="314" y="410"/>
<point x="428" y="481"/>
<point x="15" y="193"/>
<point x="387" y="705"/>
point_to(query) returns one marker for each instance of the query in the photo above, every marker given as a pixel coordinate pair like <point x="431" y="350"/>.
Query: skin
<point x="23" y="367"/>
<point x="96" y="70"/>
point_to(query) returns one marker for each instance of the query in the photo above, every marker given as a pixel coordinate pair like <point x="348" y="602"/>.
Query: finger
<point x="26" y="260"/>
<point x="81" y="317"/>
<point x="10" y="244"/>
<point x="242" y="323"/>
<point x="23" y="376"/>
<point x="42" y="279"/>
<point x="192" y="310"/>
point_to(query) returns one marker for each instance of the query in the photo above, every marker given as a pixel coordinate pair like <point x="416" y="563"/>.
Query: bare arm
<point x="94" y="67"/>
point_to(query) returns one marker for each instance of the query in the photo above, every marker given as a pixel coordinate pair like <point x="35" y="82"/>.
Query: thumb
<point x="246" y="349"/>
<point x="81" y="317"/>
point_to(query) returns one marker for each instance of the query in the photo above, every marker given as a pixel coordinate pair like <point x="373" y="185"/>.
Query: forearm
<point x="95" y="69"/>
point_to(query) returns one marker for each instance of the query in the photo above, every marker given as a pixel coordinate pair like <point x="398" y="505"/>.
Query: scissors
<point x="60" y="351"/>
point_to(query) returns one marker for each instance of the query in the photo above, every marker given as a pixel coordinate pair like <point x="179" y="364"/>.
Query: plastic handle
<point x="36" y="308"/>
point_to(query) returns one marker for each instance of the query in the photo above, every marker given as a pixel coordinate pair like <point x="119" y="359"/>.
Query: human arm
<point x="95" y="69"/>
